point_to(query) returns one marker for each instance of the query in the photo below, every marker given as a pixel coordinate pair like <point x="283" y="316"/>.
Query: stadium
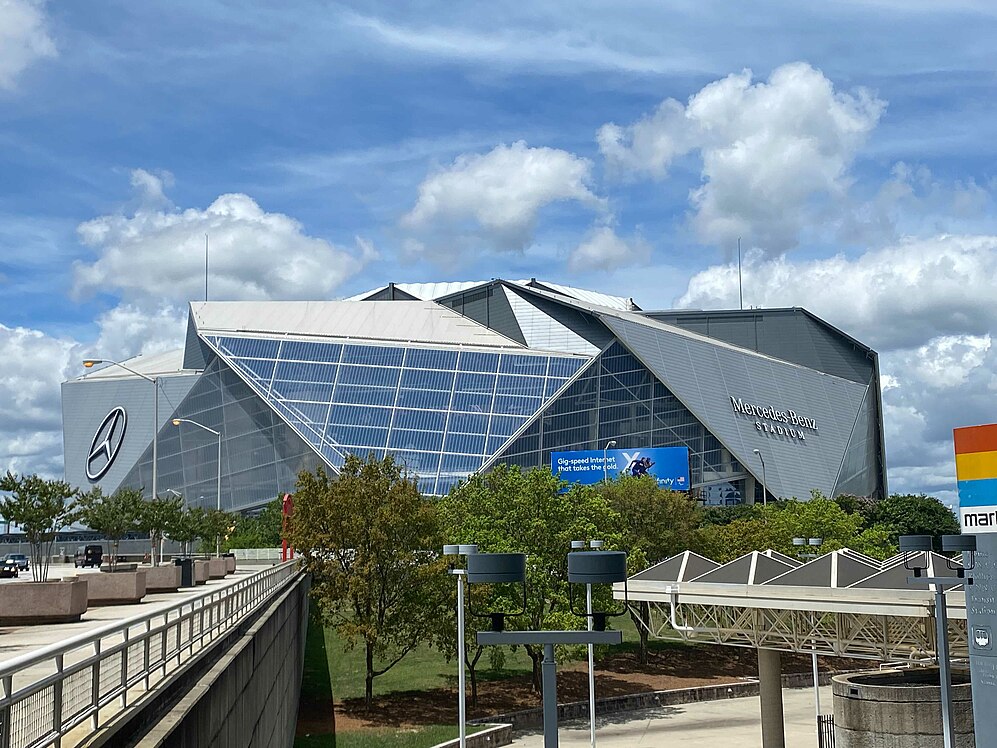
<point x="453" y="378"/>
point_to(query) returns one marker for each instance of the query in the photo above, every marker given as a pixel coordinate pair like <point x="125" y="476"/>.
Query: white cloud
<point x="602" y="249"/>
<point x="770" y="151"/>
<point x="495" y="198"/>
<point x="24" y="38"/>
<point x="898" y="297"/>
<point x="35" y="365"/>
<point x="157" y="253"/>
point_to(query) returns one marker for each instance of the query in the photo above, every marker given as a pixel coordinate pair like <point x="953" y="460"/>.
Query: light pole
<point x="765" y="483"/>
<point x="460" y="550"/>
<point x="610" y="443"/>
<point x="813" y="543"/>
<point x="91" y="362"/>
<point x="594" y="545"/>
<point x="918" y="544"/>
<point x="218" y="498"/>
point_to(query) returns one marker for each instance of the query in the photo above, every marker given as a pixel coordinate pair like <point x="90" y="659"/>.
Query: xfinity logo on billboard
<point x="789" y="417"/>
<point x="106" y="443"/>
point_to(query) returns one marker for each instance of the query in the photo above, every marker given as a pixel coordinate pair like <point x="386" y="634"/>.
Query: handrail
<point x="120" y="661"/>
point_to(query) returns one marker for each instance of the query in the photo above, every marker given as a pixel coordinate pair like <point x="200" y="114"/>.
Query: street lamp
<point x="91" y="362"/>
<point x="577" y="545"/>
<point x="918" y="544"/>
<point x="610" y="443"/>
<point x="177" y="422"/>
<point x="765" y="495"/>
<point x="460" y="550"/>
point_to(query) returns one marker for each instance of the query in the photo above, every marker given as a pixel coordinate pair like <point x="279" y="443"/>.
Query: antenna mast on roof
<point x="740" y="291"/>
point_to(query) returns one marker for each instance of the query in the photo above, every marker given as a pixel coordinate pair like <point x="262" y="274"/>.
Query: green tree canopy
<point x="908" y="514"/>
<point x="113" y="516"/>
<point x="157" y="517"/>
<point x="370" y="541"/>
<point x="41" y="507"/>
<point x="514" y="511"/>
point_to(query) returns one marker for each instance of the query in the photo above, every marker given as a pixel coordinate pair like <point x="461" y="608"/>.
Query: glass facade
<point x="441" y="411"/>
<point x="261" y="455"/>
<point x="617" y="398"/>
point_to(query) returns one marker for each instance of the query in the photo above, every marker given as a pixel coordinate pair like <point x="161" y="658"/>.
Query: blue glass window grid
<point x="378" y="395"/>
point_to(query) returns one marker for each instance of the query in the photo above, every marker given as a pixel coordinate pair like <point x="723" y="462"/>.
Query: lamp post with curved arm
<point x="218" y="499"/>
<point x="91" y="362"/>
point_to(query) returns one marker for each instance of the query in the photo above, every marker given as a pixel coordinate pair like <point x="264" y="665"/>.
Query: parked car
<point x="88" y="555"/>
<point x="8" y="568"/>
<point x="20" y="559"/>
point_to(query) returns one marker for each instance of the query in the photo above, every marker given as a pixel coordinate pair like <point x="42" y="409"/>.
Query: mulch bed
<point x="616" y="675"/>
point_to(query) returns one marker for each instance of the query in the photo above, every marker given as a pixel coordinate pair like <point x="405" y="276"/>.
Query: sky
<point x="326" y="148"/>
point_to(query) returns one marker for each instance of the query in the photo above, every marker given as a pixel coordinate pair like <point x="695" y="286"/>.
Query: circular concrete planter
<point x="899" y="709"/>
<point x="43" y="602"/>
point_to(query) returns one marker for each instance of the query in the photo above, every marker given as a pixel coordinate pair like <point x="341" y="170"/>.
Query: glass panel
<point x="373" y="355"/>
<point x="474" y="361"/>
<point x="431" y="399"/>
<point x="419" y="358"/>
<point x="513" y="364"/>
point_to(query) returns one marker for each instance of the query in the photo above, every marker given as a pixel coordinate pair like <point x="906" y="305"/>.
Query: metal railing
<point x="48" y="696"/>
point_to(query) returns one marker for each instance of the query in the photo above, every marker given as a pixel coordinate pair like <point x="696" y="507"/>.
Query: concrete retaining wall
<point x="250" y="696"/>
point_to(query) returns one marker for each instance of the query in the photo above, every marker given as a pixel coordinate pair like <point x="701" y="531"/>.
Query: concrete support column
<point x="770" y="696"/>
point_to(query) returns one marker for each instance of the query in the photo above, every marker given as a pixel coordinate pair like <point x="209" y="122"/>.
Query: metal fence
<point x="58" y="695"/>
<point x="825" y="731"/>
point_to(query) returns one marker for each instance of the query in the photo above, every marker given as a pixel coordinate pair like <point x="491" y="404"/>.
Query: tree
<point x="509" y="510"/>
<point x="919" y="514"/>
<point x="113" y="516"/>
<point x="261" y="531"/>
<point x="657" y="522"/>
<point x="368" y="539"/>
<point x="41" y="507"/>
<point x="157" y="517"/>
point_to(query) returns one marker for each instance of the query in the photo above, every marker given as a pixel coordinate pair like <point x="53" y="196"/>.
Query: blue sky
<point x="327" y="148"/>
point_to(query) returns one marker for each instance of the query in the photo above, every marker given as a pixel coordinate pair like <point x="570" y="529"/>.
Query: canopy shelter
<point x="841" y="604"/>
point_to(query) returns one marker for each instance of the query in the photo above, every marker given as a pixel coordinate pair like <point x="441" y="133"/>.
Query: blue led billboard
<point x="668" y="465"/>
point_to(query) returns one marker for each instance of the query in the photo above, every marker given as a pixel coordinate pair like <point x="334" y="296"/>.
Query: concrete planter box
<point x="200" y="571"/>
<point x="162" y="578"/>
<point x="117" y="588"/>
<point x="43" y="602"/>
<point x="216" y="568"/>
<point x="229" y="564"/>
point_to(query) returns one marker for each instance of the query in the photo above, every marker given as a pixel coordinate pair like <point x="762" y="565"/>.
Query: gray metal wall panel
<point x="84" y="405"/>
<point x="705" y="377"/>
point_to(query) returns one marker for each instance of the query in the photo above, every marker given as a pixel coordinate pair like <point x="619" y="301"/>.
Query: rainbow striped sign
<point x="976" y="472"/>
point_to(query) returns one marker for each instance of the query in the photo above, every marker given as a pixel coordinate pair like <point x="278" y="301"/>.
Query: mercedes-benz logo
<point x="106" y="443"/>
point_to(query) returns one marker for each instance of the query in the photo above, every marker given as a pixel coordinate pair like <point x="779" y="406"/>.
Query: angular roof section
<point x="835" y="569"/>
<point x="432" y="291"/>
<point x="680" y="568"/>
<point x="397" y="321"/>
<point x="751" y="568"/>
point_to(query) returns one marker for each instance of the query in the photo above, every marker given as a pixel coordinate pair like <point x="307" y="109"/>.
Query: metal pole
<point x="461" y="705"/>
<point x="591" y="647"/>
<point x="816" y="689"/>
<point x="218" y="538"/>
<point x="155" y="436"/>
<point x="549" y="673"/>
<point x="944" y="674"/>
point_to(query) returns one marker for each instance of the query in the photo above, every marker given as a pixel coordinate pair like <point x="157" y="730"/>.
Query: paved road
<point x="731" y="722"/>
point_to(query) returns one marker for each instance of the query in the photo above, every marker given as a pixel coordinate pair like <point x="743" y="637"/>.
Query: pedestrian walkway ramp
<point x="841" y="604"/>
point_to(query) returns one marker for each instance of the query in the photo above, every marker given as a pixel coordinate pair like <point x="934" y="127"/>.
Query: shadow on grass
<point x="316" y="716"/>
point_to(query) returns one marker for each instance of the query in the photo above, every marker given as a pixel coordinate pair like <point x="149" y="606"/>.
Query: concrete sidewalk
<point x="731" y="722"/>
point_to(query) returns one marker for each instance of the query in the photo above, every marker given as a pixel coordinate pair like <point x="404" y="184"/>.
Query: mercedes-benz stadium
<point x="454" y="378"/>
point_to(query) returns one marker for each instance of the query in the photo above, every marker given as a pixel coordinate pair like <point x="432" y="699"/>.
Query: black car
<point x="20" y="559"/>
<point x="88" y="555"/>
<point x="8" y="568"/>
